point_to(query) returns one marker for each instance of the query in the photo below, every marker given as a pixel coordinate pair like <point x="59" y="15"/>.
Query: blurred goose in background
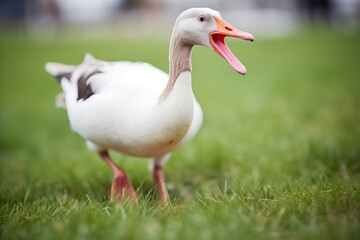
<point x="137" y="109"/>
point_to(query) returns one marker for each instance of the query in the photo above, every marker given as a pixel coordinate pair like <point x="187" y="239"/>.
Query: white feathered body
<point x="126" y="114"/>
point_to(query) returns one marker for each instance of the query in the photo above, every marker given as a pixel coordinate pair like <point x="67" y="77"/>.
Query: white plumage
<point x="125" y="112"/>
<point x="137" y="109"/>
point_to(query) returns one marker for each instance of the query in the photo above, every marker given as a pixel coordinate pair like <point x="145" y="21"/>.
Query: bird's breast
<point x="152" y="137"/>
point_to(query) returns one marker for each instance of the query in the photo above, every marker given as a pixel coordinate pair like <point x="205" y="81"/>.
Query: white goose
<point x="137" y="109"/>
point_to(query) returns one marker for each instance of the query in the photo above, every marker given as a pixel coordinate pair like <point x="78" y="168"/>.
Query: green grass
<point x="278" y="156"/>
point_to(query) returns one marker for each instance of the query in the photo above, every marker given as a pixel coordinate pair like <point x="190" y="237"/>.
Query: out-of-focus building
<point x="270" y="17"/>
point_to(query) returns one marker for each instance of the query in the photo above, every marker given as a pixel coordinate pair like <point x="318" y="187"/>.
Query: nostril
<point x="228" y="28"/>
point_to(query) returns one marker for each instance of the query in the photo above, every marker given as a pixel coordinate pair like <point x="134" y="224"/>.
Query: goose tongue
<point x="217" y="41"/>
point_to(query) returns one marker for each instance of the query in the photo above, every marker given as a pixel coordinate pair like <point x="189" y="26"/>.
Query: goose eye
<point x="202" y="18"/>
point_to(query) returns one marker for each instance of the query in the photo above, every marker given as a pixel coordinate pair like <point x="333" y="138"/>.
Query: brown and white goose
<point x="137" y="109"/>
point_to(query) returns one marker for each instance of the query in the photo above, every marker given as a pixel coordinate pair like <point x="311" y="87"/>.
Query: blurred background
<point x="286" y="136"/>
<point x="270" y="17"/>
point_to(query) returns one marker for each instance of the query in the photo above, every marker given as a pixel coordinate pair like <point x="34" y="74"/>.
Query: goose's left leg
<point x="160" y="179"/>
<point x="160" y="182"/>
<point x="121" y="185"/>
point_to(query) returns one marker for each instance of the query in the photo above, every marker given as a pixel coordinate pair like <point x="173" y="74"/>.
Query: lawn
<point x="278" y="156"/>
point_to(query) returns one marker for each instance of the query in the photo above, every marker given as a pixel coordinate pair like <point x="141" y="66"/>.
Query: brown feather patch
<point x="66" y="75"/>
<point x="84" y="89"/>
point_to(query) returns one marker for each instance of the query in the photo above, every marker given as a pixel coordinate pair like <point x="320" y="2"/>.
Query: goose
<point x="137" y="109"/>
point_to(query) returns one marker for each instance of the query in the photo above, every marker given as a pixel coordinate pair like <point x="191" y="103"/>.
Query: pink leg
<point x="121" y="184"/>
<point x="160" y="182"/>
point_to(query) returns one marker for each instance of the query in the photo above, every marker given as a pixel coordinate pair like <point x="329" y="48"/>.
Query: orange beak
<point x="217" y="41"/>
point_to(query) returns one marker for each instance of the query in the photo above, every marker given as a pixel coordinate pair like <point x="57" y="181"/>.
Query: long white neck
<point x="179" y="62"/>
<point x="174" y="111"/>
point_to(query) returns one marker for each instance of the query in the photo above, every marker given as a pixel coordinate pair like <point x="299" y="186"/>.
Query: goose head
<point x="204" y="26"/>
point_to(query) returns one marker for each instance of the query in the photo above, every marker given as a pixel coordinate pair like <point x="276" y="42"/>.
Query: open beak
<point x="217" y="41"/>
